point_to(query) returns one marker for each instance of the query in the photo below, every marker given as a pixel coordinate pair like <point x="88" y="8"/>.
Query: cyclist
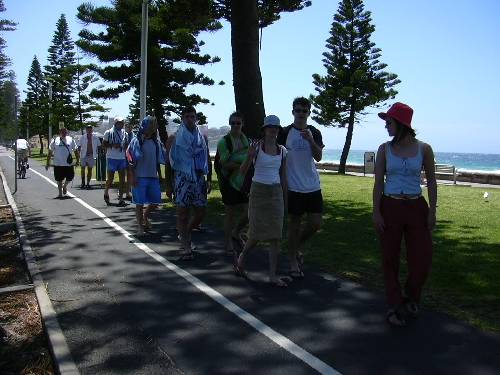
<point x="23" y="151"/>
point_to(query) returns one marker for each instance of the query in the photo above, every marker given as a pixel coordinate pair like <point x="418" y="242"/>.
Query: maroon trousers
<point x="406" y="218"/>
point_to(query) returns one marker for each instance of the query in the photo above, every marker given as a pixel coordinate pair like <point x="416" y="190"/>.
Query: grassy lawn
<point x="464" y="279"/>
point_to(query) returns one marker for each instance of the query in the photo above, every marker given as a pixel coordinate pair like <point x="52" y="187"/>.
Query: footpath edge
<point x="63" y="361"/>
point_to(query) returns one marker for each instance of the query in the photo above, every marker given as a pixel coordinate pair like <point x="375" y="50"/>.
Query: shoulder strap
<point x="229" y="144"/>
<point x="283" y="134"/>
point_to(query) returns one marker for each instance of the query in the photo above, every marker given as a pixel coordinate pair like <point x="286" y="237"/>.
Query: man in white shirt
<point x="23" y="151"/>
<point x="88" y="153"/>
<point x="61" y="148"/>
<point x="305" y="146"/>
<point x="113" y="141"/>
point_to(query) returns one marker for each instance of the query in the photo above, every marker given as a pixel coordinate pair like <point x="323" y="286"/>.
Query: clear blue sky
<point x="445" y="52"/>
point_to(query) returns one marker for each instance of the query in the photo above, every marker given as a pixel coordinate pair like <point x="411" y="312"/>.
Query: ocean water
<point x="463" y="161"/>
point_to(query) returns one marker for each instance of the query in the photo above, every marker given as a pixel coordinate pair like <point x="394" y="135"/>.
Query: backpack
<point x="217" y="164"/>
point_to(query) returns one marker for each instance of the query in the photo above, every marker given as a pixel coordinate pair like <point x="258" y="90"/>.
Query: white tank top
<point x="267" y="167"/>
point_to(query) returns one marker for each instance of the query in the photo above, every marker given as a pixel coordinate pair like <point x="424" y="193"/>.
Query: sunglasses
<point x="235" y="123"/>
<point x="297" y="110"/>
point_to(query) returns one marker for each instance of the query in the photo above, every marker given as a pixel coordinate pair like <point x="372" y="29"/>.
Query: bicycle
<point x="22" y="167"/>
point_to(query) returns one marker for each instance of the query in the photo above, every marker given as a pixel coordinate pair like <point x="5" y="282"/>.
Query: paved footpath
<point x="128" y="306"/>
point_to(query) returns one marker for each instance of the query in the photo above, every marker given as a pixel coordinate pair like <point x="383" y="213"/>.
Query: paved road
<point x="130" y="307"/>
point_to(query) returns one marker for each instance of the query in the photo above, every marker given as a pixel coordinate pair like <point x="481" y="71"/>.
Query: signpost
<point x="369" y="164"/>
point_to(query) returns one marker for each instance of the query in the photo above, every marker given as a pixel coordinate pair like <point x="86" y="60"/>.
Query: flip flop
<point x="186" y="257"/>
<point x="279" y="283"/>
<point x="395" y="318"/>
<point x="239" y="271"/>
<point x="296" y="275"/>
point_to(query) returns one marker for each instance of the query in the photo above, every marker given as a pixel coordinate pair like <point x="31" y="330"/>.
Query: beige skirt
<point x="265" y="212"/>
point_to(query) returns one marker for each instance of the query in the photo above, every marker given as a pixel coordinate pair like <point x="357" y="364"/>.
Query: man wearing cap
<point x="87" y="147"/>
<point x="113" y="141"/>
<point x="61" y="148"/>
<point x="305" y="146"/>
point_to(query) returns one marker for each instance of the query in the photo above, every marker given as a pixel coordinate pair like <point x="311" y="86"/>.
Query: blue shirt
<point x="402" y="175"/>
<point x="146" y="166"/>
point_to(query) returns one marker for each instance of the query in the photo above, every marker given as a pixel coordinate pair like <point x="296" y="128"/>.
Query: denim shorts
<point x="114" y="165"/>
<point x="147" y="191"/>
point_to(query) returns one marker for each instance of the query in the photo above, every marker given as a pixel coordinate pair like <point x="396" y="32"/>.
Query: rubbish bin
<point x="101" y="164"/>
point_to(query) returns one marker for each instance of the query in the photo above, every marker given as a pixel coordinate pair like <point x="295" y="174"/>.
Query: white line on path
<point x="264" y="329"/>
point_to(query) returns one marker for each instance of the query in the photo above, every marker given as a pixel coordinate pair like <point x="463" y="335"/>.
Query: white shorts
<point x="87" y="161"/>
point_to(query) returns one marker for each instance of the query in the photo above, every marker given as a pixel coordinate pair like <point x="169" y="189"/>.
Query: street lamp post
<point x="144" y="59"/>
<point x="28" y="123"/>
<point x="50" y="112"/>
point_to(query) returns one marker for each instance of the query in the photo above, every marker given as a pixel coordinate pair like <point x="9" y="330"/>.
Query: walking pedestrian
<point x="115" y="159"/>
<point x="145" y="152"/>
<point x="267" y="198"/>
<point x="61" y="148"/>
<point x="304" y="144"/>
<point x="232" y="151"/>
<point x="129" y="134"/>
<point x="189" y="159"/>
<point x="400" y="210"/>
<point x="87" y="146"/>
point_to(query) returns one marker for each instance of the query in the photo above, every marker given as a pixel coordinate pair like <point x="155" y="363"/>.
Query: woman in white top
<point x="267" y="197"/>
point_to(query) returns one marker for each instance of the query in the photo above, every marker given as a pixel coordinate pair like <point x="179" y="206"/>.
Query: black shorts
<point x="231" y="196"/>
<point x="61" y="173"/>
<point x="301" y="203"/>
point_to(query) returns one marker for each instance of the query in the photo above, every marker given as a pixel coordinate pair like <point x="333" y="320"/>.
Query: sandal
<point x="278" y="282"/>
<point x="186" y="256"/>
<point x="411" y="309"/>
<point x="239" y="271"/>
<point x="296" y="275"/>
<point x="395" y="318"/>
<point x="106" y="199"/>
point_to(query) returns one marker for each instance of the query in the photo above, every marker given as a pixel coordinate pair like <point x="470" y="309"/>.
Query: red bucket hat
<point x="400" y="112"/>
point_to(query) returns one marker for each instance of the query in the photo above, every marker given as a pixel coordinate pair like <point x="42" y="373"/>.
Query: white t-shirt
<point x="115" y="136"/>
<point x="301" y="171"/>
<point x="83" y="144"/>
<point x="60" y="151"/>
<point x="267" y="167"/>
<point x="22" y="144"/>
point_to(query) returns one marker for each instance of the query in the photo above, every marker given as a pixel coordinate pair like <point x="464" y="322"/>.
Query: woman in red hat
<point x="400" y="210"/>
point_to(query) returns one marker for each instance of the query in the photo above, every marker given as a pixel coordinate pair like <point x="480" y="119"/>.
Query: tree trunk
<point x="247" y="80"/>
<point x="347" y="144"/>
<point x="40" y="136"/>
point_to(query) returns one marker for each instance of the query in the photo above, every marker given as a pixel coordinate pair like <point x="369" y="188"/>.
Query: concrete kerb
<point x="58" y="346"/>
